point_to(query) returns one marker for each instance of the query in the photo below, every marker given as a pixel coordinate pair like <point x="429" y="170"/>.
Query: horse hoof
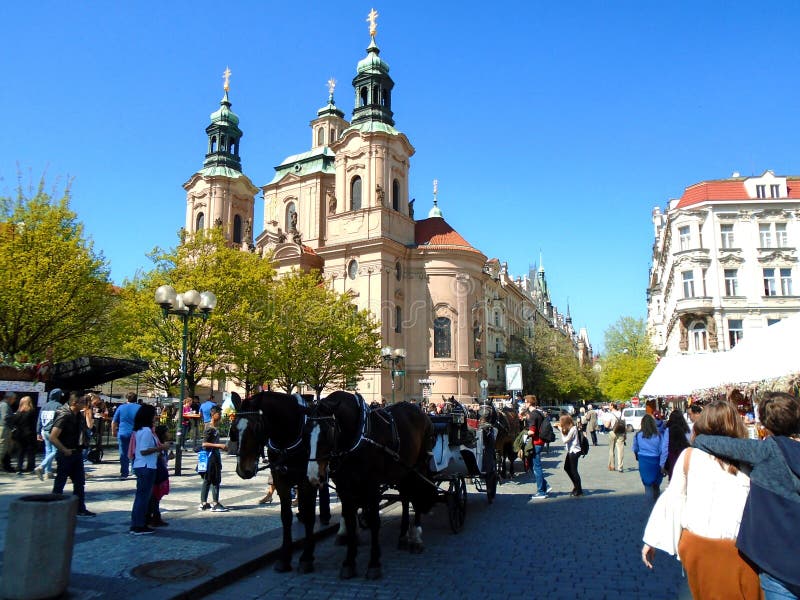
<point x="341" y="540"/>
<point x="305" y="566"/>
<point x="347" y="572"/>
<point x="283" y="566"/>
<point x="374" y="573"/>
<point x="402" y="544"/>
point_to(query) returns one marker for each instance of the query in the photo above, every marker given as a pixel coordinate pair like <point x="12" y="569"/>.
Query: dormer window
<point x="774" y="191"/>
<point x="761" y="191"/>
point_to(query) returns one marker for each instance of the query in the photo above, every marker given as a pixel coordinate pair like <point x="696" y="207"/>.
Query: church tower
<point x="219" y="194"/>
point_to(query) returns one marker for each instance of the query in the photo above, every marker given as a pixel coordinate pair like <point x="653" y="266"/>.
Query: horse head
<point x="249" y="422"/>
<point x="331" y="431"/>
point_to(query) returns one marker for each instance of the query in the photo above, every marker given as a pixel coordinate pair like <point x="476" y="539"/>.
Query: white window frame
<point x="761" y="191"/>
<point x="786" y="281"/>
<point x="685" y="237"/>
<point x="726" y="235"/>
<point x="731" y="282"/>
<point x="774" y="190"/>
<point x="781" y="236"/>
<point x="688" y="284"/>
<point x="770" y="287"/>
<point x="735" y="332"/>
<point x="699" y="336"/>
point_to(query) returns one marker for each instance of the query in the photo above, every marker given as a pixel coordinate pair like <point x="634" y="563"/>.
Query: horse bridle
<point x="283" y="453"/>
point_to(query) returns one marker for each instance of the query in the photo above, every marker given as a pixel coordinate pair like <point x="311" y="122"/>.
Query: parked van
<point x="633" y="417"/>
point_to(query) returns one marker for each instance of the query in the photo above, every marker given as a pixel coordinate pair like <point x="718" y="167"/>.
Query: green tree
<point x="55" y="292"/>
<point x="628" y="360"/>
<point x="315" y="335"/>
<point x="203" y="262"/>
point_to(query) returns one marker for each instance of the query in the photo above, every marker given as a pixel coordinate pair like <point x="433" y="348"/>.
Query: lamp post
<point x="391" y="358"/>
<point x="186" y="305"/>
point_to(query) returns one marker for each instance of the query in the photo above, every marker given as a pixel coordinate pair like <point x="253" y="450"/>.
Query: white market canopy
<point x="766" y="353"/>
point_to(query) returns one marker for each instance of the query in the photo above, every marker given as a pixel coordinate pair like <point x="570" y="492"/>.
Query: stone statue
<point x="379" y="192"/>
<point x="411" y="207"/>
<point x="218" y="222"/>
<point x="297" y="238"/>
<point x="684" y="343"/>
<point x="712" y="333"/>
<point x="248" y="230"/>
<point x="293" y="222"/>
<point x="331" y="203"/>
<point x="281" y="236"/>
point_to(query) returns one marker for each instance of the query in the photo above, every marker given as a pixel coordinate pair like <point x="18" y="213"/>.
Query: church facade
<point x="448" y="313"/>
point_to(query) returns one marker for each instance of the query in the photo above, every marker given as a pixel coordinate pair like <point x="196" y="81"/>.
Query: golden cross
<point x="372" y="19"/>
<point x="226" y="76"/>
<point x="331" y="86"/>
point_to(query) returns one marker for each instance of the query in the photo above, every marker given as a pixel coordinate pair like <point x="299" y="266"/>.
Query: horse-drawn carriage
<point x="463" y="448"/>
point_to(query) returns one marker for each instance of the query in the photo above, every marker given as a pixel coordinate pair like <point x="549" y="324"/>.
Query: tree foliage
<point x="55" y="291"/>
<point x="629" y="359"/>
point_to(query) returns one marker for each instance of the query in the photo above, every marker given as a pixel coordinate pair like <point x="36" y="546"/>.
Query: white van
<point x="633" y="417"/>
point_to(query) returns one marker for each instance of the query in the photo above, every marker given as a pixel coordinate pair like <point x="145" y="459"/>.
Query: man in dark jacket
<point x="65" y="435"/>
<point x="44" y="425"/>
<point x="535" y="419"/>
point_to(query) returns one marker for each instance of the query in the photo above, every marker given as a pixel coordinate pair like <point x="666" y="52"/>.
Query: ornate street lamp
<point x="392" y="357"/>
<point x="186" y="305"/>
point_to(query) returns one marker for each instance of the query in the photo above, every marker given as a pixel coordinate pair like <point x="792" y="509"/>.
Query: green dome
<point x="225" y="114"/>
<point x="372" y="63"/>
<point x="435" y="211"/>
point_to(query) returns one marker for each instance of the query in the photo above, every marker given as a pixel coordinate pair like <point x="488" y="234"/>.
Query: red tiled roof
<point x="727" y="189"/>
<point x="437" y="232"/>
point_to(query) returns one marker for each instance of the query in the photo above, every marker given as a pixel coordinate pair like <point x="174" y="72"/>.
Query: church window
<point x="497" y="318"/>
<point x="199" y="222"/>
<point x="441" y="337"/>
<point x="233" y="147"/>
<point x="376" y="95"/>
<point x="321" y="136"/>
<point x="222" y="142"/>
<point x="291" y="218"/>
<point x="385" y="98"/>
<point x="398" y="319"/>
<point x="237" y="229"/>
<point x="355" y="193"/>
<point x="364" y="94"/>
<point x="352" y="269"/>
<point x="398" y="271"/>
<point x="213" y="144"/>
<point x="395" y="195"/>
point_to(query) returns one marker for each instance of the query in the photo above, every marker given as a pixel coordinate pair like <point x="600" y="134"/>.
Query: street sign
<point x="514" y="377"/>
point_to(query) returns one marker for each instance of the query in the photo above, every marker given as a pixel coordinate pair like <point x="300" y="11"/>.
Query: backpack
<point x="619" y="426"/>
<point x="546" y="433"/>
<point x="584" y="442"/>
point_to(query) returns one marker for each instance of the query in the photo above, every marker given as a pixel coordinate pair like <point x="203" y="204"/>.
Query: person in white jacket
<point x="572" y="444"/>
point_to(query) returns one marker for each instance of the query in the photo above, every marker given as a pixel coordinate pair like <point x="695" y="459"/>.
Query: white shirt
<point x="145" y="438"/>
<point x="571" y="442"/>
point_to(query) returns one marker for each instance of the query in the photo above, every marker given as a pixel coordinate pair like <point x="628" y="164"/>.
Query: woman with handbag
<point x="161" y="484"/>
<point x="647" y="450"/>
<point x="697" y="518"/>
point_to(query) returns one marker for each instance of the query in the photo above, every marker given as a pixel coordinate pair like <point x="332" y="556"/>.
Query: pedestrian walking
<point x="616" y="439"/>
<point x="66" y="436"/>
<point x="572" y="445"/>
<point x="712" y="493"/>
<point x="23" y="428"/>
<point x="591" y="424"/>
<point x="674" y="441"/>
<point x="213" y="474"/>
<point x="145" y="455"/>
<point x="769" y="536"/>
<point x="161" y="484"/>
<point x="122" y="428"/>
<point x="536" y="422"/>
<point x="647" y="450"/>
<point x="43" y="427"/>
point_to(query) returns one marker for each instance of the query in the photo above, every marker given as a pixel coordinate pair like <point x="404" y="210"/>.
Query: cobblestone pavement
<point x="560" y="547"/>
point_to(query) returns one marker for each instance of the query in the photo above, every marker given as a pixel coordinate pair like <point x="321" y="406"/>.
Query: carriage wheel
<point x="491" y="486"/>
<point x="457" y="503"/>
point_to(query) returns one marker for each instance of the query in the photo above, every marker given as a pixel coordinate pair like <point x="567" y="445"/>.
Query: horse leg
<point x="341" y="535"/>
<point x="402" y="543"/>
<point x="511" y="457"/>
<point x="307" y="500"/>
<point x="415" y="534"/>
<point x="348" y="570"/>
<point x="284" y="562"/>
<point x="374" y="521"/>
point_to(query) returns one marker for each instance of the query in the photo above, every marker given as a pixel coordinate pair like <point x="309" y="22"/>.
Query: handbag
<point x="665" y="525"/>
<point x="162" y="474"/>
<point x="202" y="461"/>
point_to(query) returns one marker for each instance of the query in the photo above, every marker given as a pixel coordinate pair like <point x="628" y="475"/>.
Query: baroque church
<point x="449" y="315"/>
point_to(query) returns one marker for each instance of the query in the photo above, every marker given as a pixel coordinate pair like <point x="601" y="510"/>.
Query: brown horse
<point x="365" y="449"/>
<point x="508" y="429"/>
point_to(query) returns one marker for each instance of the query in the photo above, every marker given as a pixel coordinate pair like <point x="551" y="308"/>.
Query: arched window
<point x="355" y="193"/>
<point x="699" y="336"/>
<point x="364" y="96"/>
<point x="497" y="318"/>
<point x="222" y="142"/>
<point x="395" y="195"/>
<point x="199" y="222"/>
<point x="334" y="135"/>
<point x="213" y="144"/>
<point x="233" y="147"/>
<point x="386" y="99"/>
<point x="291" y="219"/>
<point x="321" y="136"/>
<point x="376" y="95"/>
<point x="441" y="337"/>
<point x="352" y="269"/>
<point x="237" y="229"/>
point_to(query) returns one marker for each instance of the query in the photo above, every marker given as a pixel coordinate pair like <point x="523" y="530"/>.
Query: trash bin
<point x="38" y="553"/>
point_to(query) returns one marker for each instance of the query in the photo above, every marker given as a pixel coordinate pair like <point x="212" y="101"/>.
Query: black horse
<point x="365" y="449"/>
<point x="278" y="421"/>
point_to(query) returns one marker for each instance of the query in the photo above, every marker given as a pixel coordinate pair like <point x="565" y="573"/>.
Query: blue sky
<point x="551" y="127"/>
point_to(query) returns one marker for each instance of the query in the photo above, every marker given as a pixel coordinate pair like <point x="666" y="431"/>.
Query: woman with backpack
<point x="572" y="444"/>
<point x="647" y="450"/>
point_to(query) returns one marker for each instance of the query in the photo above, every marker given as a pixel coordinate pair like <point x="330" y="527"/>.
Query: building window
<point x="497" y="318"/>
<point x="497" y="345"/>
<point x="213" y="145"/>
<point x="761" y="191"/>
<point x="731" y="283"/>
<point x="398" y="271"/>
<point x="704" y="272"/>
<point x="769" y="283"/>
<point x="291" y="217"/>
<point x="237" y="229"/>
<point x="781" y="238"/>
<point x="395" y="195"/>
<point x="441" y="337"/>
<point x="352" y="269"/>
<point x="699" y="337"/>
<point x="688" y="284"/>
<point x="321" y="136"/>
<point x="398" y="319"/>
<point x="199" y="222"/>
<point x="497" y="370"/>
<point x="774" y="191"/>
<point x="786" y="282"/>
<point x="355" y="193"/>
<point x="765" y="235"/>
<point x="734" y="331"/>
<point x="726" y="236"/>
<point x="685" y="237"/>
